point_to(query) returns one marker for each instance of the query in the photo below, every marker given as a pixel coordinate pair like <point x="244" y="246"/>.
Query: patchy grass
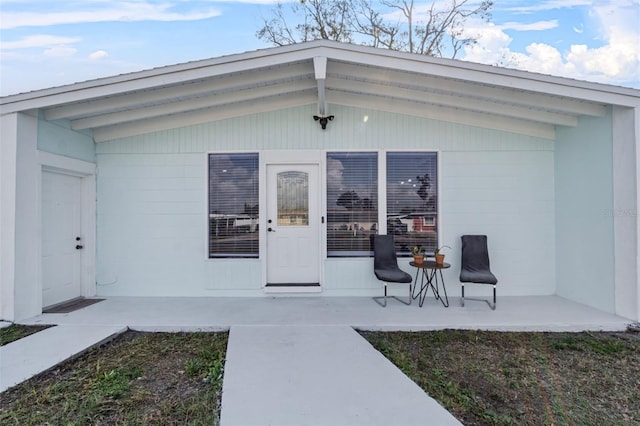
<point x="16" y="331"/>
<point x="483" y="378"/>
<point x="493" y="378"/>
<point x="138" y="378"/>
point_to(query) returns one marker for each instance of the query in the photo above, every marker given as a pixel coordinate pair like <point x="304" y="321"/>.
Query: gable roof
<point x="323" y="72"/>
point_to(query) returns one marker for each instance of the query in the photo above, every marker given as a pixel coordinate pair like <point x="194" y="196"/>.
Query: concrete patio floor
<point x="532" y="313"/>
<point x="297" y="360"/>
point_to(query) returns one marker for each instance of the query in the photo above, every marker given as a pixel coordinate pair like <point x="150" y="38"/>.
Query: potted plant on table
<point x="418" y="254"/>
<point x="439" y="256"/>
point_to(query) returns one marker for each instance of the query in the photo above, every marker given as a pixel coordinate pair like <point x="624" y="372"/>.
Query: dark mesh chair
<point x="475" y="265"/>
<point x="385" y="266"/>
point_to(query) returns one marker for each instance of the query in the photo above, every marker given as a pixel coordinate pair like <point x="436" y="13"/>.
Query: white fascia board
<point x="490" y="75"/>
<point x="103" y="134"/>
<point x="464" y="88"/>
<point x="178" y="74"/>
<point x="447" y="114"/>
<point x="142" y="113"/>
<point x="464" y="103"/>
<point x="143" y="80"/>
<point x="227" y="83"/>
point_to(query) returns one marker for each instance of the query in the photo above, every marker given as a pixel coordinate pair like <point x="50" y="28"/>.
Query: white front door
<point x="61" y="239"/>
<point x="293" y="225"/>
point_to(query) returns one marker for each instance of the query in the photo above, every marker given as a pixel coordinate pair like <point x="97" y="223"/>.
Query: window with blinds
<point x="352" y="203"/>
<point x="233" y="205"/>
<point x="412" y="200"/>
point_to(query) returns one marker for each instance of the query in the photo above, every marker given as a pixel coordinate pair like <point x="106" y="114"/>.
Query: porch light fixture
<point x="323" y="120"/>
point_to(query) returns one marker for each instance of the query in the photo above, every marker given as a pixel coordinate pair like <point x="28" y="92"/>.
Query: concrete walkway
<point x="297" y="360"/>
<point x="318" y="375"/>
<point x="39" y="352"/>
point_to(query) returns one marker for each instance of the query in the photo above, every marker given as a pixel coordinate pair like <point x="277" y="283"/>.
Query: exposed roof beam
<point x="320" y="67"/>
<point x="446" y="114"/>
<point x="448" y="85"/>
<point x="484" y="74"/>
<point x="459" y="102"/>
<point x="142" y="113"/>
<point x="198" y="88"/>
<point x="103" y="134"/>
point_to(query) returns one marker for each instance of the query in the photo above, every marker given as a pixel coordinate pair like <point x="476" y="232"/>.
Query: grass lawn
<point x="136" y="379"/>
<point x="493" y="378"/>
<point x="483" y="378"/>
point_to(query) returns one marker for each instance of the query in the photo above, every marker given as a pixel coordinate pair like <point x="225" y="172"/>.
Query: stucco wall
<point x="584" y="213"/>
<point x="152" y="201"/>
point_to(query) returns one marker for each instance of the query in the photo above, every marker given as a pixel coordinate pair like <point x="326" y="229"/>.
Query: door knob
<point x="271" y="230"/>
<point x="79" y="247"/>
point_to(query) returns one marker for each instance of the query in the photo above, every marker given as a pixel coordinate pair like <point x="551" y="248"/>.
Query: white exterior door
<point x="293" y="226"/>
<point x="61" y="239"/>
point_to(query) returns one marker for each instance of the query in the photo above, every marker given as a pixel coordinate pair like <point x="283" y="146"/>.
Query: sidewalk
<point x="38" y="352"/>
<point x="318" y="375"/>
<point x="297" y="360"/>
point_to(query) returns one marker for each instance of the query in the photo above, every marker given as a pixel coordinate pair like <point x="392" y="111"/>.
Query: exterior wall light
<point x="323" y="120"/>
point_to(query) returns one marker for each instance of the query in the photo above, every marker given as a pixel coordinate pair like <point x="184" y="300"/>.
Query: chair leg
<point x="377" y="299"/>
<point x="494" y="298"/>
<point x="384" y="298"/>
<point x="492" y="306"/>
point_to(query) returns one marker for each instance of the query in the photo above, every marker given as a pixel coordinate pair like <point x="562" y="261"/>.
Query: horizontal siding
<point x="152" y="200"/>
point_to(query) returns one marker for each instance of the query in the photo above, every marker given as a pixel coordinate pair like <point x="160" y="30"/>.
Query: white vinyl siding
<point x="153" y="200"/>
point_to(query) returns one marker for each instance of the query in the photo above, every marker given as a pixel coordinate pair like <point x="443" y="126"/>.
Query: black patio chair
<point x="385" y="266"/>
<point x="475" y="265"/>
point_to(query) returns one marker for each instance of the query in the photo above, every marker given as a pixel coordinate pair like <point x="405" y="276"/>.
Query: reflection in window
<point x="412" y="200"/>
<point x="352" y="203"/>
<point x="233" y="205"/>
<point x="293" y="199"/>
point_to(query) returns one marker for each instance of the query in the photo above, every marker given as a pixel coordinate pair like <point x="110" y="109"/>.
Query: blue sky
<point x="51" y="43"/>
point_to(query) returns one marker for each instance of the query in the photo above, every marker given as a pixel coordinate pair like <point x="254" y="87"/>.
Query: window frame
<point x="439" y="222"/>
<point x="259" y="189"/>
<point x="325" y="156"/>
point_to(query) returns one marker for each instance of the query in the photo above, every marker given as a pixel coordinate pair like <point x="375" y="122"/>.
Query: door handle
<point x="271" y="230"/>
<point x="79" y="247"/>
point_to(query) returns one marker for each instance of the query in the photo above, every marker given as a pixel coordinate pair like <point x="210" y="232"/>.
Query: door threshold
<point x="292" y="288"/>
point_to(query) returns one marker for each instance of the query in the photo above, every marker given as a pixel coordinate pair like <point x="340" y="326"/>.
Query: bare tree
<point x="428" y="28"/>
<point x="320" y="20"/>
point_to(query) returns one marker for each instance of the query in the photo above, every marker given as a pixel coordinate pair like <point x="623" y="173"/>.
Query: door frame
<point x="86" y="171"/>
<point x="292" y="157"/>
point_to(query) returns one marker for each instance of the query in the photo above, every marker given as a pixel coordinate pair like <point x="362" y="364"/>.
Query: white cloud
<point x="38" y="40"/>
<point x="535" y="26"/>
<point x="616" y="60"/>
<point x="98" y="54"/>
<point x="539" y="6"/>
<point x="60" y="52"/>
<point x="101" y="11"/>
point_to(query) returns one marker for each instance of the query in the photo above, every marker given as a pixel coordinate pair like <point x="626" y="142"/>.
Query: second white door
<point x="293" y="225"/>
<point x="61" y="240"/>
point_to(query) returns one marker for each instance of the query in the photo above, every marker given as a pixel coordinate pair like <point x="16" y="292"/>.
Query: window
<point x="293" y="199"/>
<point x="352" y="203"/>
<point x="412" y="200"/>
<point x="233" y="205"/>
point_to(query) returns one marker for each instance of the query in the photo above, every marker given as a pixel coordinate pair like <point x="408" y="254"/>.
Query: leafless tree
<point x="429" y="28"/>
